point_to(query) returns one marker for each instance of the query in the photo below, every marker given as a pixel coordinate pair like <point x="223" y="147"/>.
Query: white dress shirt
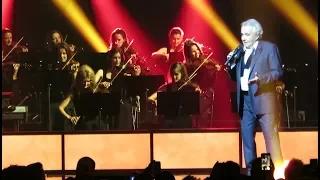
<point x="245" y="78"/>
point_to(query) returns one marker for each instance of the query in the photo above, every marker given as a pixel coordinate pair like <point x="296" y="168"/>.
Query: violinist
<point x="115" y="60"/>
<point x="175" y="39"/>
<point x="205" y="70"/>
<point x="85" y="83"/>
<point x="53" y="38"/>
<point x="206" y="74"/>
<point x="174" y="52"/>
<point x="65" y="59"/>
<point x="10" y="67"/>
<point x="64" y="80"/>
<point x="119" y="39"/>
<point x="179" y="75"/>
<point x="112" y="81"/>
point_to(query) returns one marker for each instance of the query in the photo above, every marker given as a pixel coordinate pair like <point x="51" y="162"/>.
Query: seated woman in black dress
<point x="179" y="75"/>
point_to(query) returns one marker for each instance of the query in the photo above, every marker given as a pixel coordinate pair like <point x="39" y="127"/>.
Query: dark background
<point x="33" y="19"/>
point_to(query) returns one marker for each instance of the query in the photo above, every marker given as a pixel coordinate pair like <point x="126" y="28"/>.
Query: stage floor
<point x="186" y="151"/>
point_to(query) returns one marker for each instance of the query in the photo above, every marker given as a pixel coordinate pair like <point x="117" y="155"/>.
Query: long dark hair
<point x="124" y="36"/>
<point x="111" y="53"/>
<point x="187" y="50"/>
<point x="65" y="46"/>
<point x="49" y="44"/>
<point x="180" y="67"/>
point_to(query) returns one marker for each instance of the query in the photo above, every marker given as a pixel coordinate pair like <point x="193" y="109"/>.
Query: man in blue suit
<point x="256" y="67"/>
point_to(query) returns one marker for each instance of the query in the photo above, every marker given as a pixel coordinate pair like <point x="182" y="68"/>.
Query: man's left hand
<point x="255" y="79"/>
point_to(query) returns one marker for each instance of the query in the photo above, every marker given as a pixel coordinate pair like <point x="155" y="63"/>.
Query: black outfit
<point x="118" y="118"/>
<point x="178" y="121"/>
<point x="60" y="86"/>
<point x="88" y="113"/>
<point x="8" y="84"/>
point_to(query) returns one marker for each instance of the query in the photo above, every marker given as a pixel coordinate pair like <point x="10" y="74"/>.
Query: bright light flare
<point x="279" y="171"/>
<point x="77" y="17"/>
<point x="111" y="14"/>
<point x="300" y="18"/>
<point x="215" y="22"/>
<point x="7" y="13"/>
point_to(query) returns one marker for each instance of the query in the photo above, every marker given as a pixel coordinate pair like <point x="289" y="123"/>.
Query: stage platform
<point x="180" y="151"/>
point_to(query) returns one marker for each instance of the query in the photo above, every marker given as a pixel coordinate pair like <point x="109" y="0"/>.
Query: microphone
<point x="236" y="54"/>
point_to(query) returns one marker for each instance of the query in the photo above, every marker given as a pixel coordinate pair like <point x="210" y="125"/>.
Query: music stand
<point x="95" y="60"/>
<point x="90" y="105"/>
<point x="177" y="104"/>
<point x="38" y="60"/>
<point x="142" y="86"/>
<point x="33" y="71"/>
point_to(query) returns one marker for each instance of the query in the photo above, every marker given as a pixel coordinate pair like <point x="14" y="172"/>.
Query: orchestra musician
<point x="175" y="35"/>
<point x="137" y="65"/>
<point x="65" y="59"/>
<point x="66" y="78"/>
<point x="205" y="69"/>
<point x="53" y="38"/>
<point x="10" y="66"/>
<point x="84" y="84"/>
<point x="179" y="75"/>
<point x="116" y="61"/>
<point x="119" y="39"/>
<point x="207" y="72"/>
<point x="174" y="52"/>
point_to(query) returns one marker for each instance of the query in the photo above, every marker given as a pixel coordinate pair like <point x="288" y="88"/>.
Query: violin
<point x="14" y="47"/>
<point x="208" y="64"/>
<point x="184" y="85"/>
<point x="116" y="71"/>
<point x="73" y="65"/>
<point x="180" y="47"/>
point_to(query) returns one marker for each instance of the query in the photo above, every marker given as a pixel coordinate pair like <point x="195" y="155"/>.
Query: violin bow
<point x="126" y="49"/>
<point x="15" y="46"/>
<point x="69" y="60"/>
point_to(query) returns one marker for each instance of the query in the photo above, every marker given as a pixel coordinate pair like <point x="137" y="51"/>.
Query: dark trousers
<point x="58" y="121"/>
<point x="269" y="126"/>
<point x="7" y="81"/>
<point x="89" y="123"/>
<point x="123" y="120"/>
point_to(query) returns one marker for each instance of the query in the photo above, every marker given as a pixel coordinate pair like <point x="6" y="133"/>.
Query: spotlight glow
<point x="300" y="18"/>
<point x="77" y="17"/>
<point x="215" y="22"/>
<point x="279" y="171"/>
<point x="7" y="12"/>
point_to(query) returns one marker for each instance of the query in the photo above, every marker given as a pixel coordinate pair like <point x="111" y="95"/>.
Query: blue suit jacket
<point x="267" y="63"/>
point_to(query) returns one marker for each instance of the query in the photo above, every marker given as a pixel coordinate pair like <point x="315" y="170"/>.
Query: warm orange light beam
<point x="78" y="18"/>
<point x="300" y="18"/>
<point x="215" y="22"/>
